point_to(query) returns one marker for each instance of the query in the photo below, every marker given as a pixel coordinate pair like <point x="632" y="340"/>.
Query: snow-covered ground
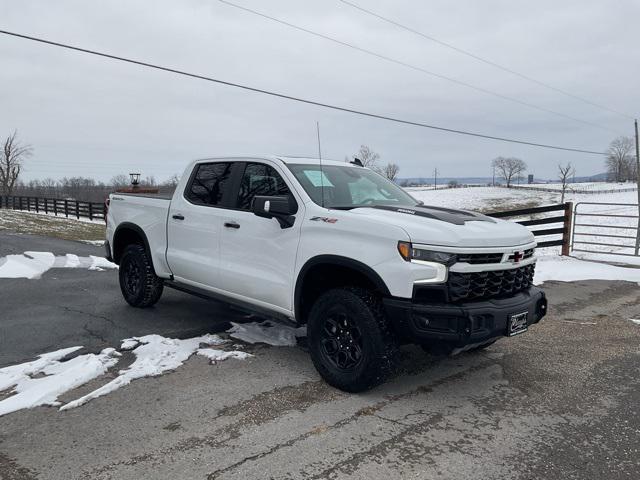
<point x="32" y="265"/>
<point x="588" y="186"/>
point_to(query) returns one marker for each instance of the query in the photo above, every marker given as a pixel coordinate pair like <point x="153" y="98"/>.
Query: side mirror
<point x="279" y="207"/>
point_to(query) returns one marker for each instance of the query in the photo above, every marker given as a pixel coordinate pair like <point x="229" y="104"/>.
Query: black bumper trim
<point x="464" y="323"/>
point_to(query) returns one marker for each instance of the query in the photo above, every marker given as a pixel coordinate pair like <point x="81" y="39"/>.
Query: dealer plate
<point x="517" y="324"/>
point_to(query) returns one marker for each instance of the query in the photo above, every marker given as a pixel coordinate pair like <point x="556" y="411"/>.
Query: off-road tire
<point x="139" y="284"/>
<point x="378" y="345"/>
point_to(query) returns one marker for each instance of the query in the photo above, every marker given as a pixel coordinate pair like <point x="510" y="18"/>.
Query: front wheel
<point x="350" y="342"/>
<point x="138" y="281"/>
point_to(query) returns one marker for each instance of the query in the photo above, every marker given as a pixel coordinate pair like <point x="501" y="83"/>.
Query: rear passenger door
<point x="257" y="257"/>
<point x="195" y="223"/>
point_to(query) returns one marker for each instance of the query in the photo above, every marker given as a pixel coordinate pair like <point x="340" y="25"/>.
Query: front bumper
<point x="462" y="324"/>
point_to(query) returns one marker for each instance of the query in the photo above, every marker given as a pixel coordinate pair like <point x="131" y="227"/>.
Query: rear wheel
<point x="349" y="338"/>
<point x="138" y="281"/>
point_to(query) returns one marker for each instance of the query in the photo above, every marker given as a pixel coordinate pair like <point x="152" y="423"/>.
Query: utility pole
<point x="435" y="179"/>
<point x="494" y="176"/>
<point x="638" y="183"/>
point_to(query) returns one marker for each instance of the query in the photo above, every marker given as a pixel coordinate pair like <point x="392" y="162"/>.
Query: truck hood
<point x="448" y="227"/>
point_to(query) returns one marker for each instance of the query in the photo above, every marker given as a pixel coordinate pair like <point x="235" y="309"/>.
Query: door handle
<point x="177" y="216"/>
<point x="232" y="225"/>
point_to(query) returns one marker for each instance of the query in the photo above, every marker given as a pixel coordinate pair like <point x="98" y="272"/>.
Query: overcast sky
<point x="89" y="116"/>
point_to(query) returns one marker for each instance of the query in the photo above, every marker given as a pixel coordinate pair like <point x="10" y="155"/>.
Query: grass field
<point x="39" y="224"/>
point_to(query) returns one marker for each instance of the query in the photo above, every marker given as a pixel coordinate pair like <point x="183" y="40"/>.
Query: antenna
<point x="320" y="160"/>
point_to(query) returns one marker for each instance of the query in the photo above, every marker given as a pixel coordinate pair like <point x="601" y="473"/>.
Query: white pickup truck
<point x="336" y="247"/>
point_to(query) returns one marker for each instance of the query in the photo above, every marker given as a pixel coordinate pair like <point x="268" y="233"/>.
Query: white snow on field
<point x="580" y="186"/>
<point x="267" y="332"/>
<point x="635" y="320"/>
<point x="32" y="265"/>
<point x="568" y="269"/>
<point x="42" y="381"/>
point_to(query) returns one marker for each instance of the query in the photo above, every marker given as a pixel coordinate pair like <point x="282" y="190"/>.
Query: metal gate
<point x="606" y="228"/>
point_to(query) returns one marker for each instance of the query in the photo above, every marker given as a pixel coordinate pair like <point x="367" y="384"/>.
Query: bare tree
<point x="368" y="157"/>
<point x="120" y="180"/>
<point x="13" y="154"/>
<point x="172" y="181"/>
<point x="619" y="162"/>
<point x="564" y="173"/>
<point x="509" y="168"/>
<point x="391" y="170"/>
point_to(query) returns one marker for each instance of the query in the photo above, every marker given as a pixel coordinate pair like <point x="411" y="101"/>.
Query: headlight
<point x="409" y="253"/>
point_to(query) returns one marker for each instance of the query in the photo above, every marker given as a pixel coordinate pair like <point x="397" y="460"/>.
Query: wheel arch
<point x="128" y="233"/>
<point x="312" y="280"/>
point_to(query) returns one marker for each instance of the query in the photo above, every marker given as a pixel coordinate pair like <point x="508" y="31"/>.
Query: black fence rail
<point x="548" y="229"/>
<point x="55" y="206"/>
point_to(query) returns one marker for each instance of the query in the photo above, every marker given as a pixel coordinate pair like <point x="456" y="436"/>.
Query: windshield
<point x="349" y="187"/>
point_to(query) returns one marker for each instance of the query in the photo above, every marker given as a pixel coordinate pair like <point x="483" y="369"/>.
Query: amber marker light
<point x="404" y="249"/>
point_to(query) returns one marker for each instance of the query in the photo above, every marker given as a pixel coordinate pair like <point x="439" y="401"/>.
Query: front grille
<point x="479" y="258"/>
<point x="484" y="285"/>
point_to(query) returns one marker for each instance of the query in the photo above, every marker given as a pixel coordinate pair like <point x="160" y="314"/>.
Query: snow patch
<point x="42" y="381"/>
<point x="568" y="269"/>
<point x="32" y="265"/>
<point x="267" y="332"/>
<point x="155" y="355"/>
<point x="215" y="355"/>
<point x="28" y="265"/>
<point x="635" y="320"/>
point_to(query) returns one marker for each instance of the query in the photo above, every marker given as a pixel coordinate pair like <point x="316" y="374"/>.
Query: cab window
<point x="260" y="179"/>
<point x="208" y="184"/>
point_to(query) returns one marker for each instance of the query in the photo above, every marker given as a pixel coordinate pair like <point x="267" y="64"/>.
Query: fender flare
<point x="139" y="231"/>
<point x="336" y="260"/>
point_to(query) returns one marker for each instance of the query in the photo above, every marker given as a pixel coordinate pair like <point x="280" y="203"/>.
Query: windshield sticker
<point x="318" y="178"/>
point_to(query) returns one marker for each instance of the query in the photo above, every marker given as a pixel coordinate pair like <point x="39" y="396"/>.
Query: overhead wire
<point x="294" y="98"/>
<point x="485" y="60"/>
<point x="415" y="67"/>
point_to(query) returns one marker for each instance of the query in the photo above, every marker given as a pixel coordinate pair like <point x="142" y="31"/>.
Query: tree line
<point x="620" y="164"/>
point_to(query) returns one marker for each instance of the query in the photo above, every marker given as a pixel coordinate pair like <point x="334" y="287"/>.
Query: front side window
<point x="349" y="187"/>
<point x="260" y="179"/>
<point x="209" y="182"/>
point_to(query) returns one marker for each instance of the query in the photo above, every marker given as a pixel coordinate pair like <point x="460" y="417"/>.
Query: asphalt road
<point x="561" y="401"/>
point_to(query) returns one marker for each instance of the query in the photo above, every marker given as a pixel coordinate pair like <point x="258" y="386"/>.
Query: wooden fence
<point x="55" y="206"/>
<point x="542" y="234"/>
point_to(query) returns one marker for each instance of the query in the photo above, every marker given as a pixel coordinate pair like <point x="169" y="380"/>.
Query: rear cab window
<point x="209" y="183"/>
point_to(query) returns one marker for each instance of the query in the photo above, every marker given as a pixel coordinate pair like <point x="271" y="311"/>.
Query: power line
<point x="297" y="99"/>
<point x="484" y="60"/>
<point x="415" y="67"/>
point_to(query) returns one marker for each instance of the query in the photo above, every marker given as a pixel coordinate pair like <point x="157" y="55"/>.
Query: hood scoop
<point x="456" y="217"/>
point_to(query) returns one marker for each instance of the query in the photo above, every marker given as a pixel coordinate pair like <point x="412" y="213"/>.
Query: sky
<point x="94" y="117"/>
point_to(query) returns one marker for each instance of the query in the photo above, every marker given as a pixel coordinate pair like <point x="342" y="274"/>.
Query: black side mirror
<point x="279" y="207"/>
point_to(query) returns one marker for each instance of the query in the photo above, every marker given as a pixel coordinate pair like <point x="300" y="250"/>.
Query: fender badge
<point x="324" y="219"/>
